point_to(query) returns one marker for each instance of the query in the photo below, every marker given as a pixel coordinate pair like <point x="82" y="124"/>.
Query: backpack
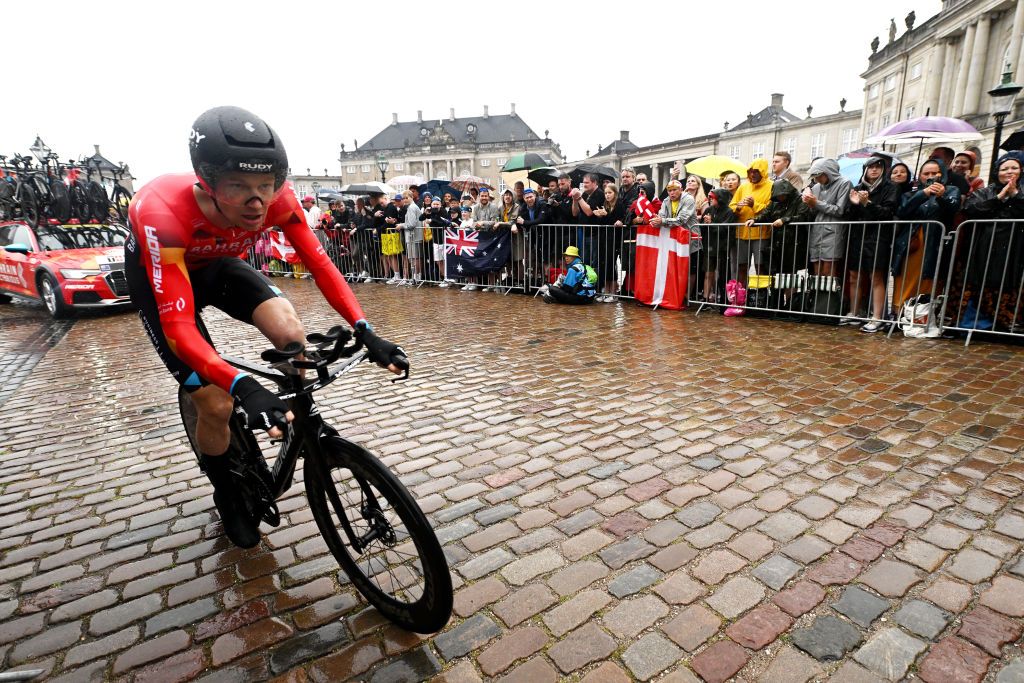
<point x="822" y="298"/>
<point x="591" y="275"/>
<point x="919" y="317"/>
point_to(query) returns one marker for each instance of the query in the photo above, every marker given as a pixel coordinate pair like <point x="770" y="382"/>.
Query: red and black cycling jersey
<point x="174" y="237"/>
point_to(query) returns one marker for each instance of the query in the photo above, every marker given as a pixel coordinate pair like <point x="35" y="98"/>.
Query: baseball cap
<point x="308" y="198"/>
<point x="398" y="196"/>
<point x="528" y="190"/>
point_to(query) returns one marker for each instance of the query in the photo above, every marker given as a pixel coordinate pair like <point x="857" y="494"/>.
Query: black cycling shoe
<point x="239" y="526"/>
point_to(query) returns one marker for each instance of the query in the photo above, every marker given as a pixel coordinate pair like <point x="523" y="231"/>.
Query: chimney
<point x="419" y="116"/>
<point x="513" y="109"/>
<point x="451" y="116"/>
<point x="394" y="118"/>
<point x="97" y="148"/>
<point x="485" y="111"/>
<point x="623" y="136"/>
<point x="777" y="99"/>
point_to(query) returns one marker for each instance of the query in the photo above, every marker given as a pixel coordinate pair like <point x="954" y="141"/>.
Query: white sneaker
<point x="364" y="274"/>
<point x="443" y="285"/>
<point x="393" y="280"/>
<point x="469" y="288"/>
<point x="367" y="279"/>
<point x="406" y="283"/>
<point x="487" y="289"/>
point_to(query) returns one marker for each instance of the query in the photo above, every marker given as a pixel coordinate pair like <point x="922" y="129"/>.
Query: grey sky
<point x="133" y="76"/>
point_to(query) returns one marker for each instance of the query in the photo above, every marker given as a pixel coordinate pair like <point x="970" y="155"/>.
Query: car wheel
<point x="49" y="292"/>
<point x="5" y="298"/>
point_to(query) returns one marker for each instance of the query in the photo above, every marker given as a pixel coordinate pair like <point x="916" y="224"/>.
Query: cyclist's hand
<point x="382" y="352"/>
<point x="263" y="410"/>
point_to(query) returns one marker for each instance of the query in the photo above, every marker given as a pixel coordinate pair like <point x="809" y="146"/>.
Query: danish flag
<point x="461" y="242"/>
<point x="644" y="209"/>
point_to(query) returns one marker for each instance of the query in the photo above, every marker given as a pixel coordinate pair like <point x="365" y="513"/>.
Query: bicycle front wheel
<point x="388" y="549"/>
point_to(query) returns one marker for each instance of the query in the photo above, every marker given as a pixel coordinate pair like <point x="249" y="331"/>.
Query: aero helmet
<point x="225" y="139"/>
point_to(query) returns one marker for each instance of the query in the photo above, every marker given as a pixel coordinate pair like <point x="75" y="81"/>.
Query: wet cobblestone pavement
<point x="623" y="495"/>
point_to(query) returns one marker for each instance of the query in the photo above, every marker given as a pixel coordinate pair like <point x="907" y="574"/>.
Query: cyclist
<point x="188" y="234"/>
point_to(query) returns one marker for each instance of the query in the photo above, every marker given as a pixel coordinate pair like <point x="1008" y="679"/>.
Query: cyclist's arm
<point x="163" y="246"/>
<point x="311" y="252"/>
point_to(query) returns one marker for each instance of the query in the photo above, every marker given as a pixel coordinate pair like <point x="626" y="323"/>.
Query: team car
<point x="64" y="266"/>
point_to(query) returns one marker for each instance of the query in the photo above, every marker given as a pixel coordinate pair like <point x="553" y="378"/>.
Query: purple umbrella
<point x="925" y="130"/>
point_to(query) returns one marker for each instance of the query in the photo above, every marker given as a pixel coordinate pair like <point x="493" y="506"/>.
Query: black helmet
<point x="227" y="139"/>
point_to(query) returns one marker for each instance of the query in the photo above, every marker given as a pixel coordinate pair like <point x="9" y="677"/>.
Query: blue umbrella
<point x="437" y="188"/>
<point x="851" y="168"/>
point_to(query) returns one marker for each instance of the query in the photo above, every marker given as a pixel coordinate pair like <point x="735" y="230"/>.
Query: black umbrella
<point x="602" y="172"/>
<point x="1014" y="142"/>
<point x="544" y="175"/>
<point x="328" y="195"/>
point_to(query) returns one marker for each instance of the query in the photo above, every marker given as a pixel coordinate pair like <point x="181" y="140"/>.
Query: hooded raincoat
<point x="789" y="243"/>
<point x="716" y="235"/>
<point x="871" y="243"/>
<point x="762" y="194"/>
<point x="828" y="237"/>
<point x="915" y="205"/>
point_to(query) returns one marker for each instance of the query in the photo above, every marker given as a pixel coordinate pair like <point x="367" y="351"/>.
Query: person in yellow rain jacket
<point x="749" y="200"/>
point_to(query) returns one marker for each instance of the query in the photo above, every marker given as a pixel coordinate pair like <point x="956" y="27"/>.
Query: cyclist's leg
<point x="246" y="295"/>
<point x="213" y="409"/>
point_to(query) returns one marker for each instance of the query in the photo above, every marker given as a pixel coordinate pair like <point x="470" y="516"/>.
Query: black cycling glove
<point x="381" y="351"/>
<point x="263" y="410"/>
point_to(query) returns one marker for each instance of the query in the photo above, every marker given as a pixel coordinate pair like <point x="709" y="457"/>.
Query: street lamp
<point x="382" y="164"/>
<point x="1002" y="104"/>
<point x="316" y="190"/>
<point x="40" y="150"/>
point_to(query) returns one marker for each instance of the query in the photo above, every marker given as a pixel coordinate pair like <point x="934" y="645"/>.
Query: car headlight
<point x="75" y="274"/>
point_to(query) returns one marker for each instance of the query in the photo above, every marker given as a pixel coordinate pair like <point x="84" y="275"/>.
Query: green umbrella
<point x="527" y="161"/>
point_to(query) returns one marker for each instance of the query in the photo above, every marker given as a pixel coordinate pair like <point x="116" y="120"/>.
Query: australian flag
<point x="473" y="252"/>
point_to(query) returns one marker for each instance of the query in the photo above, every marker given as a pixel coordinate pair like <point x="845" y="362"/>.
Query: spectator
<point x="991" y="296"/>
<point x="611" y="217"/>
<point x="875" y="198"/>
<point x="788" y="246"/>
<point x="947" y="155"/>
<point x="900" y="177"/>
<point x="730" y="180"/>
<point x="525" y="237"/>
<point x="391" y="240"/>
<point x="519" y="187"/>
<point x="827" y="200"/>
<point x="716" y="241"/>
<point x="585" y="203"/>
<point x="575" y="287"/>
<point x="680" y="210"/>
<point x="436" y="218"/>
<point x="964" y="163"/>
<point x="781" y="170"/>
<point x="485" y="216"/>
<point x="933" y="197"/>
<point x="415" y="192"/>
<point x="312" y="211"/>
<point x="628" y="189"/>
<point x="749" y="200"/>
<point x="695" y="188"/>
<point x="446" y="199"/>
<point x="641" y="179"/>
<point x="474" y="195"/>
<point x="413" y="238"/>
<point x="508" y="212"/>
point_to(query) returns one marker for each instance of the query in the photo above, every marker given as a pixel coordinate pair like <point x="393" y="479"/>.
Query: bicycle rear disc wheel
<point x="61" y="204"/>
<point x="29" y="206"/>
<point x="98" y="201"/>
<point x="401" y="570"/>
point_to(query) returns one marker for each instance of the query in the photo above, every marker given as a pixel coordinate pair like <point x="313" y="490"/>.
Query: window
<point x="789" y="146"/>
<point x="757" y="150"/>
<point x="849" y="140"/>
<point x="501" y="161"/>
<point x="890" y="83"/>
<point x="885" y="120"/>
<point x="398" y="166"/>
<point x="909" y="112"/>
<point x="734" y="152"/>
<point x="350" y="169"/>
<point x="871" y="128"/>
<point x="817" y="145"/>
<point x="485" y="163"/>
<point x="365" y="168"/>
<point x="915" y="71"/>
<point x="873" y="92"/>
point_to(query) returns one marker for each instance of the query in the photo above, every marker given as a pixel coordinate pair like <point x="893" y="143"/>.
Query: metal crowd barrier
<point x="610" y="250"/>
<point x="985" y="280"/>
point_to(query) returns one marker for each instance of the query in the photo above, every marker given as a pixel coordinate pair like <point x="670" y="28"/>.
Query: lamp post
<point x="40" y="150"/>
<point x="1002" y="104"/>
<point x="316" y="191"/>
<point x="382" y="164"/>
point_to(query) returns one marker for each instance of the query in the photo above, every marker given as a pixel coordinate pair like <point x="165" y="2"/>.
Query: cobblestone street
<point x="622" y="494"/>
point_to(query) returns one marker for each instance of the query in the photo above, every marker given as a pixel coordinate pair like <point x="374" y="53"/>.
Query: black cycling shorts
<point x="229" y="284"/>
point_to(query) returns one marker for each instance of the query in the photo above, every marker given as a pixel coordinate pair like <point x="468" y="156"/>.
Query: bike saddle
<point x="277" y="355"/>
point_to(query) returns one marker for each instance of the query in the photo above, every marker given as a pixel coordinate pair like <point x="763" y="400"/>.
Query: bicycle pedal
<point x="272" y="516"/>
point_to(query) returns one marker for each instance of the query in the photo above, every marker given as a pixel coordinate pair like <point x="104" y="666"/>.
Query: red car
<point x="66" y="266"/>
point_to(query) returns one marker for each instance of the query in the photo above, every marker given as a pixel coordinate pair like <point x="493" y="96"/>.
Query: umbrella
<point x="368" y="188"/>
<point x="328" y="195"/>
<point x="545" y="174"/>
<point x="406" y="181"/>
<point x="468" y="182"/>
<point x="925" y="130"/>
<point x="851" y="164"/>
<point x="1014" y="142"/>
<point x="437" y="188"/>
<point x="715" y="165"/>
<point x="601" y="171"/>
<point x="527" y="161"/>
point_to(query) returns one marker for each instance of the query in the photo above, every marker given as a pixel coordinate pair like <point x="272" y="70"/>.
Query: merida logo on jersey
<point x="153" y="245"/>
<point x="258" y="167"/>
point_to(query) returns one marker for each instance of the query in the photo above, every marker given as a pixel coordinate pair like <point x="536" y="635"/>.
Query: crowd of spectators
<point x="861" y="236"/>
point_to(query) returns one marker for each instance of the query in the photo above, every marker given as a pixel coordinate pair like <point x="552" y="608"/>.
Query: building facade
<point x="446" y="148"/>
<point x="311" y="183"/>
<point x="946" y="66"/>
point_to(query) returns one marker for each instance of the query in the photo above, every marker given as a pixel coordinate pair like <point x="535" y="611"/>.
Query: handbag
<point x="391" y="243"/>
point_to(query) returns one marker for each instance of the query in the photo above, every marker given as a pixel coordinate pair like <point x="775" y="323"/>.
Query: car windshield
<point x="60" y="237"/>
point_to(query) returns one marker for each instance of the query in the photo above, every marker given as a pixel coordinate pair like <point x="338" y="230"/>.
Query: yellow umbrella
<point x="715" y="165"/>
